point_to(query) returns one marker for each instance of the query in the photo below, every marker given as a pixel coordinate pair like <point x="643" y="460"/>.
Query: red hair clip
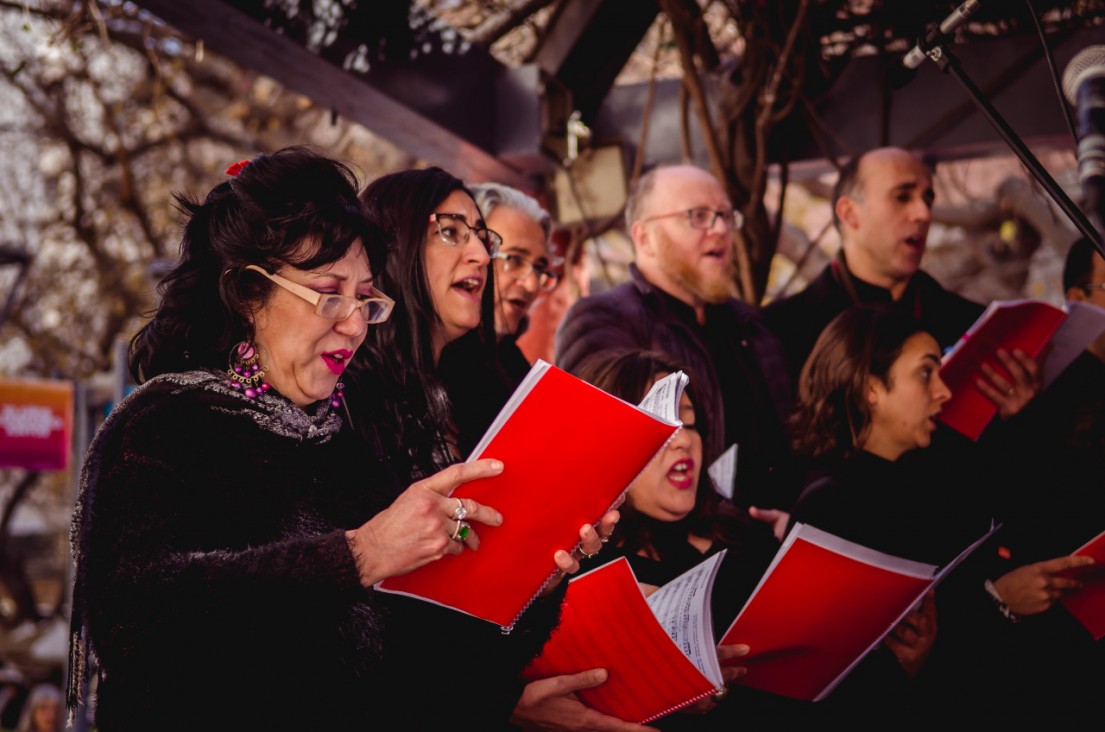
<point x="237" y="167"/>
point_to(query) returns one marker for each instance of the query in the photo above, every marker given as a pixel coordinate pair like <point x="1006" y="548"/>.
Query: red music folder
<point x="821" y="606"/>
<point x="659" y="653"/>
<point x="1027" y="325"/>
<point x="569" y="451"/>
<point x="1087" y="605"/>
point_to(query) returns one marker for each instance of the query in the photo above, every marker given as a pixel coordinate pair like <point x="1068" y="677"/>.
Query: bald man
<point x="680" y="300"/>
<point x="882" y="208"/>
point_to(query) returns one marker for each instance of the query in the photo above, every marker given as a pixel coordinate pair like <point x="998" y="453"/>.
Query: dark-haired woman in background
<point x="868" y="398"/>
<point x="673" y="519"/>
<point x="430" y="379"/>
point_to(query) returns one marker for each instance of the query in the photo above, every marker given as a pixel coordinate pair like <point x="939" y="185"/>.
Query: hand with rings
<point x="463" y="527"/>
<point x="423" y="524"/>
<point x="1011" y="391"/>
<point x="591" y="539"/>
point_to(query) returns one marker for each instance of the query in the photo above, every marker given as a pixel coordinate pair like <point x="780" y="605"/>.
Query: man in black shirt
<point x="680" y="300"/>
<point x="882" y="208"/>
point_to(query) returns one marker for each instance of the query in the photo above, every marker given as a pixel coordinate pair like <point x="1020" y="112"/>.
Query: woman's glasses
<point x="375" y="309"/>
<point x="519" y="268"/>
<point x="454" y="231"/>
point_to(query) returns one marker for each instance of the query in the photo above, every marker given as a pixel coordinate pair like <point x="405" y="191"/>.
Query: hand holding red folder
<point x="570" y="450"/>
<point x="983" y="373"/>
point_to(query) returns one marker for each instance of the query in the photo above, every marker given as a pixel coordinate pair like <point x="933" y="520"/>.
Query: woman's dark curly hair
<point x="832" y="418"/>
<point x="294" y="207"/>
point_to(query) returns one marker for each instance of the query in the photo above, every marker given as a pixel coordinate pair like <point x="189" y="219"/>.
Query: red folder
<point x="1087" y="605"/>
<point x="821" y="606"/>
<point x="1027" y="325"/>
<point x="605" y="622"/>
<point x="569" y="451"/>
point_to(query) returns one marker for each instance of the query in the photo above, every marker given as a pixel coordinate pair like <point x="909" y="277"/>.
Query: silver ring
<point x="461" y="512"/>
<point x="604" y="539"/>
<point x="461" y="532"/>
<point x="585" y="555"/>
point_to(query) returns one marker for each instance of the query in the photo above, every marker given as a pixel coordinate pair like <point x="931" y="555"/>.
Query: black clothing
<point x="514" y="363"/>
<point x="425" y="641"/>
<point x="736" y="366"/>
<point x="892" y="507"/>
<point x="904" y="509"/>
<point x="214" y="580"/>
<point x="797" y="320"/>
<point x="1048" y="667"/>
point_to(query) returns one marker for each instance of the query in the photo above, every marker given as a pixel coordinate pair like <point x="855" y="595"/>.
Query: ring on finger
<point x="460" y="513"/>
<point x="587" y="555"/>
<point x="461" y="533"/>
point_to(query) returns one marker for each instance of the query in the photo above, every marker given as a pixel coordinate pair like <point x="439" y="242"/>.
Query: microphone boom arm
<point x="949" y="64"/>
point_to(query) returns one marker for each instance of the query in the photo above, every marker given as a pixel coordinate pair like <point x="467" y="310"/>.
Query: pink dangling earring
<point x="245" y="371"/>
<point x="338" y="395"/>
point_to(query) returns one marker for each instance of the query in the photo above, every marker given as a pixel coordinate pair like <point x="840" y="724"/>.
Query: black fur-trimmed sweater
<point x="214" y="585"/>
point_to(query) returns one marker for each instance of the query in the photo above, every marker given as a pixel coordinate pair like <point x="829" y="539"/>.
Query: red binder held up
<point x="569" y="451"/>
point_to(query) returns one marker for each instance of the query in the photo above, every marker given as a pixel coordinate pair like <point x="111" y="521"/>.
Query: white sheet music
<point x="662" y="399"/>
<point x="723" y="471"/>
<point x="682" y="607"/>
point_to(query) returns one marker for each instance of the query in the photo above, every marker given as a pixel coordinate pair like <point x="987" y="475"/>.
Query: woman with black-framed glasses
<point x="429" y="383"/>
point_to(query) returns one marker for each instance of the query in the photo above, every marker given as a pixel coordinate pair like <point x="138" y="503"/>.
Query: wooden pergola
<point x="448" y="101"/>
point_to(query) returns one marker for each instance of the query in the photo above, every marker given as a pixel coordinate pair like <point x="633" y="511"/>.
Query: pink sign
<point x="36" y="424"/>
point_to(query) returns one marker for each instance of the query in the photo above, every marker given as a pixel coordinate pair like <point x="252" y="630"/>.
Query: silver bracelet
<point x="1011" y="616"/>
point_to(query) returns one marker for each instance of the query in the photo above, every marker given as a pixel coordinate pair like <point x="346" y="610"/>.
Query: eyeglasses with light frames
<point x="704" y="218"/>
<point x="519" y="268"/>
<point x="332" y="306"/>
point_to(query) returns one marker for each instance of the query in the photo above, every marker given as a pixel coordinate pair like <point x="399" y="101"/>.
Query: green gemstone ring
<point x="462" y="531"/>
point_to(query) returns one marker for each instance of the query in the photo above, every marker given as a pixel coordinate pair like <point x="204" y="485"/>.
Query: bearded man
<point x="680" y="300"/>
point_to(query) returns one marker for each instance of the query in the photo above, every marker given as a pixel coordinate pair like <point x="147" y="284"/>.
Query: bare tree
<point x="104" y="113"/>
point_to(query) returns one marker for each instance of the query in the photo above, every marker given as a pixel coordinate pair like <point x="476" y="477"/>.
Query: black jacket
<point x="798" y="320"/>
<point x="735" y="363"/>
<point x="214" y="580"/>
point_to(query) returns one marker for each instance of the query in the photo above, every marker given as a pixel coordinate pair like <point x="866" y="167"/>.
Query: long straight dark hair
<point x="395" y="375"/>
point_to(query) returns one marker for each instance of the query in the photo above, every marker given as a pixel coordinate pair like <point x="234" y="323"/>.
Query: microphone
<point x="1084" y="89"/>
<point x="958" y="17"/>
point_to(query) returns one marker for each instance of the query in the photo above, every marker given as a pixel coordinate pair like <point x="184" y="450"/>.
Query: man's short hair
<point x="491" y="195"/>
<point x="847" y="184"/>
<point x="1078" y="267"/>
<point x="638" y="194"/>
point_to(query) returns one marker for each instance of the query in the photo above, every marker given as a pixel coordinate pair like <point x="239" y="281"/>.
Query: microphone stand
<point x="948" y="63"/>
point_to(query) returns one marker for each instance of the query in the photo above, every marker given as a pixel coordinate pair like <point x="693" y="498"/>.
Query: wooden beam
<point x="373" y="100"/>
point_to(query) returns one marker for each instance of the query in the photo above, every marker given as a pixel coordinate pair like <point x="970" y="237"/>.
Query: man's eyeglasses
<point x="519" y="268"/>
<point x="703" y="218"/>
<point x="333" y="306"/>
<point x="1089" y="287"/>
<point x="454" y="231"/>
